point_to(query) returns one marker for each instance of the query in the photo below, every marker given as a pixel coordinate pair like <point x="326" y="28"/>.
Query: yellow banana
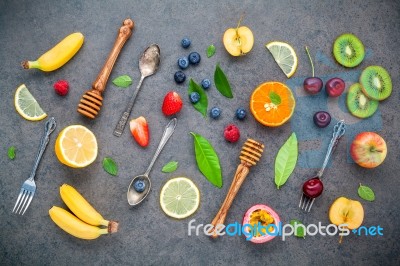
<point x="82" y="208"/>
<point x="72" y="225"/>
<point x="57" y="56"/>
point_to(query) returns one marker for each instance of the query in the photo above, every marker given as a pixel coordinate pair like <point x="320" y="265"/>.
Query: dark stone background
<point x="146" y="235"/>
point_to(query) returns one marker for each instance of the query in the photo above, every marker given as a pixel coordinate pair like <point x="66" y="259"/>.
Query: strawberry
<point x="172" y="103"/>
<point x="140" y="131"/>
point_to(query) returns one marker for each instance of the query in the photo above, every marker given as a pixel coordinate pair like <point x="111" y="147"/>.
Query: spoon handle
<point x="119" y="128"/>
<point x="338" y="132"/>
<point x="169" y="129"/>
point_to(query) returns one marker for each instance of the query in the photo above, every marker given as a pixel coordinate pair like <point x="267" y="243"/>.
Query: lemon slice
<point x="284" y="56"/>
<point x="27" y="106"/>
<point x="76" y="146"/>
<point x="179" y="197"/>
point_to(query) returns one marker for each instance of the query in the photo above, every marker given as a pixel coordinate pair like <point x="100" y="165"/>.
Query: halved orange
<point x="272" y="103"/>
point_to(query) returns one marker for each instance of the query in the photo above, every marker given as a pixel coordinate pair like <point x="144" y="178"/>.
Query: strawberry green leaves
<point x="286" y="160"/>
<point x="366" y="193"/>
<point x="110" y="166"/>
<point x="123" y="81"/>
<point x="202" y="104"/>
<point x="207" y="160"/>
<point x="222" y="83"/>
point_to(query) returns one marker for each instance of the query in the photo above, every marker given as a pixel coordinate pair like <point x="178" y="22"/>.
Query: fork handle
<point x="48" y="129"/>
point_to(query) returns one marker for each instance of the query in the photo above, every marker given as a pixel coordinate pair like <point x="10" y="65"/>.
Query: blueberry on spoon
<point x="312" y="85"/>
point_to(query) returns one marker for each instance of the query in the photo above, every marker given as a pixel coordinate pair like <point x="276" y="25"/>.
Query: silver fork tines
<point x="306" y="202"/>
<point x="29" y="187"/>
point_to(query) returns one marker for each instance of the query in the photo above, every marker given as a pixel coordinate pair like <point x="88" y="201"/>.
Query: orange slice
<point x="76" y="146"/>
<point x="272" y="103"/>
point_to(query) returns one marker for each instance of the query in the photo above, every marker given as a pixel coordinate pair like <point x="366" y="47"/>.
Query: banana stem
<point x="312" y="64"/>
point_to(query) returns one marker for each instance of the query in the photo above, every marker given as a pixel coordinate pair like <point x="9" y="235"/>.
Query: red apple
<point x="368" y="149"/>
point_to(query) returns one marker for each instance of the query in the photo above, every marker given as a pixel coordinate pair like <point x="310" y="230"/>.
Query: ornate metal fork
<point x="29" y="187"/>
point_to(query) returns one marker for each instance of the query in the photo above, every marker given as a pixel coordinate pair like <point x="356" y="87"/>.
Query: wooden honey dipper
<point x="91" y="101"/>
<point x="249" y="156"/>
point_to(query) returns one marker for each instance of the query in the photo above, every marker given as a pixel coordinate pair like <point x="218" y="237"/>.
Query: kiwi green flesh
<point x="359" y="104"/>
<point x="348" y="50"/>
<point x="376" y="83"/>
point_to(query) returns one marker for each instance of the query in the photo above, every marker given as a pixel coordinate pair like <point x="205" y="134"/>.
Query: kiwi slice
<point x="348" y="50"/>
<point x="376" y="83"/>
<point x="359" y="104"/>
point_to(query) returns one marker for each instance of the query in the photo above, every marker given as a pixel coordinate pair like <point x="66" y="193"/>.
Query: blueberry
<point x="139" y="186"/>
<point x="185" y="43"/>
<point x="206" y="83"/>
<point x="194" y="58"/>
<point x="215" y="112"/>
<point x="179" y="77"/>
<point x="183" y="62"/>
<point x="240" y="113"/>
<point x="194" y="97"/>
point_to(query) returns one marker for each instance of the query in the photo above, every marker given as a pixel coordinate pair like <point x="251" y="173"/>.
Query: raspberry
<point x="231" y="133"/>
<point x="61" y="87"/>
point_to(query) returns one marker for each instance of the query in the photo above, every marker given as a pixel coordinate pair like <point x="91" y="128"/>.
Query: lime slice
<point x="179" y="197"/>
<point x="27" y="106"/>
<point x="284" y="56"/>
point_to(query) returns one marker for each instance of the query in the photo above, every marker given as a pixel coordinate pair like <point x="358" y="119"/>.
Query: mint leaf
<point x="210" y="50"/>
<point x="222" y="83"/>
<point x="275" y="98"/>
<point x="366" y="193"/>
<point x="202" y="104"/>
<point x="170" y="167"/>
<point x="110" y="166"/>
<point x="123" y="81"/>
<point x="11" y="152"/>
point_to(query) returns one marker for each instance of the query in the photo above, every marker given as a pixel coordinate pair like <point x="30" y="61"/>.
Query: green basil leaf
<point x="110" y="166"/>
<point x="286" y="160"/>
<point x="170" y="167"/>
<point x="123" y="81"/>
<point x="202" y="104"/>
<point x="210" y="50"/>
<point x="11" y="153"/>
<point x="222" y="83"/>
<point x="300" y="230"/>
<point x="275" y="98"/>
<point x="207" y="160"/>
<point x="366" y="193"/>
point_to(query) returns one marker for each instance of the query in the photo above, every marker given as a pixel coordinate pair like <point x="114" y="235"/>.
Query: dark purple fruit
<point x="335" y="87"/>
<point x="322" y="119"/>
<point x="313" y="85"/>
<point x="313" y="187"/>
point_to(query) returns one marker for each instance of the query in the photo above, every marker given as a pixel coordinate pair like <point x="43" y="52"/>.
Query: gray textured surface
<point x="147" y="236"/>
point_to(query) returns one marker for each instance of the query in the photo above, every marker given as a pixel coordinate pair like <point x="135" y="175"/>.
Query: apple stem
<point x="312" y="64"/>
<point x="240" y="21"/>
<point x="340" y="239"/>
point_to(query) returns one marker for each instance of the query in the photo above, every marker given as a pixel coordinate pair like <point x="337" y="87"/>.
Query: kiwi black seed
<point x="359" y="104"/>
<point x="348" y="50"/>
<point x="376" y="83"/>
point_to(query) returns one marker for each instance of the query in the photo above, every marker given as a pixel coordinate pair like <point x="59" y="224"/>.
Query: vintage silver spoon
<point x="148" y="65"/>
<point x="134" y="197"/>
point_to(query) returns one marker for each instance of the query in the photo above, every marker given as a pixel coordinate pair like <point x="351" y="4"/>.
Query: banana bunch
<point x="85" y="224"/>
<point x="57" y="56"/>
